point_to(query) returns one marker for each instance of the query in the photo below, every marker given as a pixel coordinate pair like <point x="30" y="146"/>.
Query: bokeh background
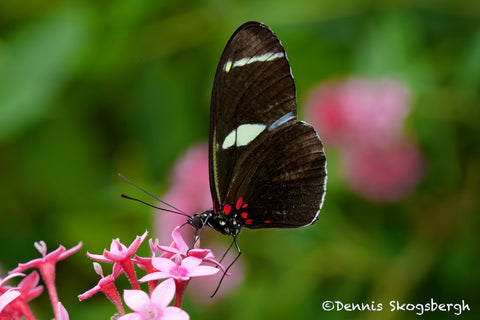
<point x="89" y="89"/>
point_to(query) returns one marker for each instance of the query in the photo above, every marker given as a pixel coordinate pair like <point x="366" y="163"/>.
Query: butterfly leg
<point x="198" y="232"/>
<point x="225" y="254"/>
<point x="231" y="264"/>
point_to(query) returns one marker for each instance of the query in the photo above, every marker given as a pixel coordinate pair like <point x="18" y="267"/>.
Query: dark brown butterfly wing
<point x="258" y="150"/>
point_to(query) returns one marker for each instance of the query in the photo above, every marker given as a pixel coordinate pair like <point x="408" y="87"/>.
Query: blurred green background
<point x="92" y="88"/>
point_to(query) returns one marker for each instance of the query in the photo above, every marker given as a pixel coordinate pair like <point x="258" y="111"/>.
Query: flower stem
<point x="47" y="271"/>
<point x="180" y="287"/>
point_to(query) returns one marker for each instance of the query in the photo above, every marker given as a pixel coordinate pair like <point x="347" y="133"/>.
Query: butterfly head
<point x="199" y="220"/>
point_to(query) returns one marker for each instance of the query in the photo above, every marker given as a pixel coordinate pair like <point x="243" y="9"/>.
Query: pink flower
<point x="181" y="271"/>
<point x="8" y="294"/>
<point x="107" y="286"/>
<point x="180" y="247"/>
<point x="364" y="119"/>
<point x="154" y="308"/>
<point x="121" y="256"/>
<point x="358" y="111"/>
<point x="27" y="290"/>
<point x="46" y="265"/>
<point x="48" y="260"/>
<point x="383" y="173"/>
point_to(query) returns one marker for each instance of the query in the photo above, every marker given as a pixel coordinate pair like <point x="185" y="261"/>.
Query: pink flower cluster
<point x="364" y="120"/>
<point x="14" y="300"/>
<point x="178" y="264"/>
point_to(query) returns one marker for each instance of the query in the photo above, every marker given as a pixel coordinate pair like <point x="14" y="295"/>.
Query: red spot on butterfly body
<point x="244" y="215"/>
<point x="267" y="221"/>
<point x="248" y="221"/>
<point x="227" y="208"/>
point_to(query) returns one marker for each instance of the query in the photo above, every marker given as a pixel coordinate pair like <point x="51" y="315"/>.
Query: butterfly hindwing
<point x="283" y="181"/>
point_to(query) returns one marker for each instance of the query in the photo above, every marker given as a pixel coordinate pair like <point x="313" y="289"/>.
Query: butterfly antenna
<point x="177" y="211"/>
<point x="152" y="206"/>
<point x="231" y="264"/>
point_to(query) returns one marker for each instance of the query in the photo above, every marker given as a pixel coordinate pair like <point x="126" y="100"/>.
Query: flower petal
<point x="199" y="253"/>
<point x="28" y="286"/>
<point x="10" y="276"/>
<point x="30" y="281"/>
<point x="191" y="262"/>
<point x="202" y="271"/>
<point x="135" y="299"/>
<point x="155" y="276"/>
<point x="98" y="257"/>
<point x="8" y="297"/>
<point x="163" y="294"/>
<point x="163" y="264"/>
<point x="131" y="316"/>
<point x="63" y="312"/>
<point x="178" y="239"/>
<point x="174" y="313"/>
<point x="70" y="251"/>
<point x="135" y="244"/>
<point x="169" y="249"/>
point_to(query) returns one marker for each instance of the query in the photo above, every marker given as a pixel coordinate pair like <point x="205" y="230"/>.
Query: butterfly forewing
<point x="258" y="150"/>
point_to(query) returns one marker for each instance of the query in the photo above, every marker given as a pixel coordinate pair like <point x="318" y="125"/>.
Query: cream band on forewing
<point x="269" y="56"/>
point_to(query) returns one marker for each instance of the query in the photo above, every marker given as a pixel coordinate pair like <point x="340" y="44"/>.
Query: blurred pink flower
<point x="383" y="173"/>
<point x="154" y="307"/>
<point x="28" y="289"/>
<point x="7" y="297"/>
<point x="8" y="294"/>
<point x="358" y="111"/>
<point x="189" y="191"/>
<point x="63" y="312"/>
<point x="363" y="119"/>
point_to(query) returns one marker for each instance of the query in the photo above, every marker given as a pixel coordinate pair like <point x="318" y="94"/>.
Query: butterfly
<point x="266" y="169"/>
